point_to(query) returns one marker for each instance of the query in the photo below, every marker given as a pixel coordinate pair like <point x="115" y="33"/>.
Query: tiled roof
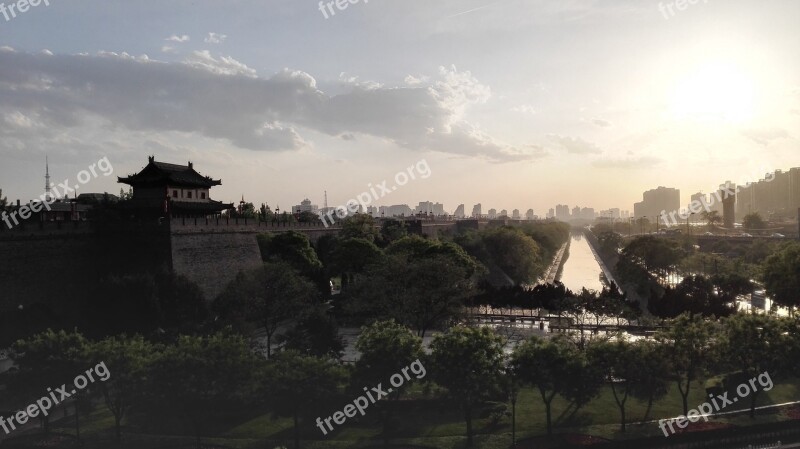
<point x="160" y="174"/>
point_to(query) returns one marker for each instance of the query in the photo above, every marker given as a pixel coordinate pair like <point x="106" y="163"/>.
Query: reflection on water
<point x="581" y="269"/>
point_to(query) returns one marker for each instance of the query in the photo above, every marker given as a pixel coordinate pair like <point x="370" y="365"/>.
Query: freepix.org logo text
<point x="11" y="10"/>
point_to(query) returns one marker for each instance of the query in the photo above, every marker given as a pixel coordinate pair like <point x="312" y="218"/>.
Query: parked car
<point x="744" y="234"/>
<point x="710" y="234"/>
<point x="778" y="235"/>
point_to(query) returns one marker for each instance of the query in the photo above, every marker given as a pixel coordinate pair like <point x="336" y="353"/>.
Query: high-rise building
<point x="776" y="196"/>
<point x="562" y="212"/>
<point x="551" y="213"/>
<point x="429" y="208"/>
<point x="503" y="214"/>
<point x="529" y="215"/>
<point x="400" y="210"/>
<point x="459" y="213"/>
<point x="587" y="213"/>
<point x="515" y="214"/>
<point x="657" y="201"/>
<point x="477" y="211"/>
<point x="728" y="204"/>
<point x="492" y="214"/>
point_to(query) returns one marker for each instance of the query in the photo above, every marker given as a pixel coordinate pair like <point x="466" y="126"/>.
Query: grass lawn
<point x="432" y="423"/>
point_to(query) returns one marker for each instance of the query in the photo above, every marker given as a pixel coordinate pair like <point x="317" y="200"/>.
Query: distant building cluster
<point x="777" y="196"/>
<point x="562" y="213"/>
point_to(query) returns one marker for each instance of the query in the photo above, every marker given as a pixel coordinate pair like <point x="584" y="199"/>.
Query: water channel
<point x="581" y="268"/>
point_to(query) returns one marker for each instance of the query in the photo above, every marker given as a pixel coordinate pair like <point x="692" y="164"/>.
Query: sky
<point x="514" y="104"/>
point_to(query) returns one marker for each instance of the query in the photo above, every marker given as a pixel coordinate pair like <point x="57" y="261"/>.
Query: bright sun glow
<point x="715" y="92"/>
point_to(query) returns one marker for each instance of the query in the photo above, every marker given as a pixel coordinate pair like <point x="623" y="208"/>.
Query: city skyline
<point x="389" y="208"/>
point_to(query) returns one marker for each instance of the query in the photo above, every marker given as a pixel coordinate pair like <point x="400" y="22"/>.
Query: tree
<point x="782" y="276"/>
<point x="690" y="349"/>
<point x="386" y="347"/>
<point x="299" y="386"/>
<point x="3" y="201"/>
<point x="129" y="360"/>
<point x="653" y="253"/>
<point x="246" y="210"/>
<point x="414" y="247"/>
<point x="359" y="226"/>
<point x="610" y="242"/>
<point x="510" y="256"/>
<point x="653" y="374"/>
<point x="308" y="217"/>
<point x="730" y="286"/>
<point x="291" y="247"/>
<point x="753" y="222"/>
<point x="182" y="304"/>
<point x="756" y="344"/>
<point x="420" y="293"/>
<point x="267" y="296"/>
<point x="202" y="378"/>
<point x="711" y="218"/>
<point x="123" y="195"/>
<point x="353" y="256"/>
<point x="551" y="366"/>
<point x="48" y="358"/>
<point x="618" y="362"/>
<point x="316" y="333"/>
<point x="468" y="362"/>
<point x="393" y="230"/>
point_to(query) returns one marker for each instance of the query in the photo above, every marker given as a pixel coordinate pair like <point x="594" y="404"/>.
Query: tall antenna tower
<point x="47" y="185"/>
<point x="326" y="201"/>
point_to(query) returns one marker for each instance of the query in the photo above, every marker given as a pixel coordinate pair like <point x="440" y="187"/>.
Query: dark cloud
<point x="222" y="98"/>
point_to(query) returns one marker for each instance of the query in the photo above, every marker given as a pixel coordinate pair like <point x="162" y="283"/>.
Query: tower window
<point x="174" y="193"/>
<point x="188" y="194"/>
<point x="203" y="195"/>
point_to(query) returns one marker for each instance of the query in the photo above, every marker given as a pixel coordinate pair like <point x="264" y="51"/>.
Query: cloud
<point x="524" y="109"/>
<point x="354" y="81"/>
<point x="218" y="97"/>
<point x="574" y="145"/>
<point x="215" y="38"/>
<point x="765" y="136"/>
<point x="628" y="162"/>
<point x="178" y="39"/>
<point x="601" y="123"/>
<point x="221" y="66"/>
<point x="168" y="49"/>
<point x="412" y="80"/>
